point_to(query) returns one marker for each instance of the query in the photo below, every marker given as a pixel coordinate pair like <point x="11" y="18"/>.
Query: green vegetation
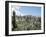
<point x="27" y="22"/>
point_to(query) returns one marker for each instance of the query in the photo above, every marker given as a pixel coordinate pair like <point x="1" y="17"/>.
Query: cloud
<point x="16" y="9"/>
<point x="18" y="13"/>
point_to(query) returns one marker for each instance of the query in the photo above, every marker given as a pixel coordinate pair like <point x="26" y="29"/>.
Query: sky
<point x="27" y="10"/>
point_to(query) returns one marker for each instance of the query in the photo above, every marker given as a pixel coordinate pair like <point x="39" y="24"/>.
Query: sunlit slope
<point x="27" y="22"/>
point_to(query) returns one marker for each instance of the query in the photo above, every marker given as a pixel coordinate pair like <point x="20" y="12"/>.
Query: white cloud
<point x="16" y="9"/>
<point x="18" y="13"/>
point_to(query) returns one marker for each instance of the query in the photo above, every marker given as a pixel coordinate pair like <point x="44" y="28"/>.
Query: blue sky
<point x="29" y="10"/>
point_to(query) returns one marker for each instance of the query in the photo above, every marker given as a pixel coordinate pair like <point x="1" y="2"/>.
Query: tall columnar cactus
<point x="14" y="21"/>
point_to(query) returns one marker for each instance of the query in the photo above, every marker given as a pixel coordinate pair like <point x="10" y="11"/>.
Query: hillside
<point x="27" y="22"/>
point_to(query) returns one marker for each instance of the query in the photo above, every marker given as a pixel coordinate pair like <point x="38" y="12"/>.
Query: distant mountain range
<point x="28" y="16"/>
